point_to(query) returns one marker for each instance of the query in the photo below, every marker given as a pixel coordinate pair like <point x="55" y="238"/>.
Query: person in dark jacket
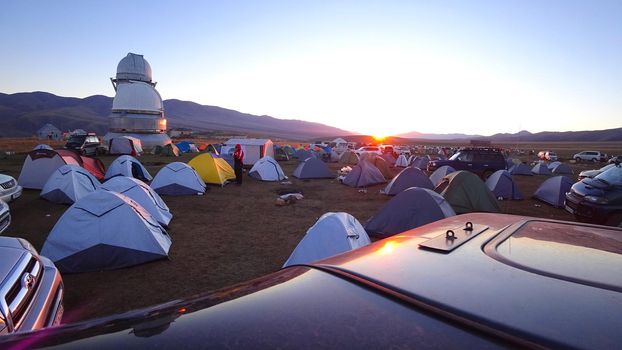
<point x="238" y="162"/>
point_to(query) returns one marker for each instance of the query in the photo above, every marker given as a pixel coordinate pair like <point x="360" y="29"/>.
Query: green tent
<point x="169" y="150"/>
<point x="467" y="193"/>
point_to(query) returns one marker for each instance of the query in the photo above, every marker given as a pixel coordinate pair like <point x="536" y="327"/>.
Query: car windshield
<point x="77" y="139"/>
<point x="462" y="156"/>
<point x="612" y="176"/>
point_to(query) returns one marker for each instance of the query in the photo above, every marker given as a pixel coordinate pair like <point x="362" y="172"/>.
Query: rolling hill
<point x="21" y="114"/>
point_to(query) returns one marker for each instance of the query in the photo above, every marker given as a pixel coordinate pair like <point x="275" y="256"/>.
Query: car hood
<point x="589" y="187"/>
<point x="10" y="257"/>
<point x="589" y="173"/>
<point x="5" y="178"/>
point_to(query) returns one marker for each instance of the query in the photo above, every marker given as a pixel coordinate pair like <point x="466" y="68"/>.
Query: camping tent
<point x="267" y="169"/>
<point x="409" y="177"/>
<point x="212" y="169"/>
<point x="254" y="149"/>
<point x="187" y="147"/>
<point x="68" y="184"/>
<point x="388" y="157"/>
<point x="362" y="175"/>
<point x="411" y="208"/>
<point x="208" y="147"/>
<point x="553" y="190"/>
<point x="348" y="157"/>
<point x="502" y="185"/>
<point x="401" y="161"/>
<point x="421" y="162"/>
<point x="541" y="169"/>
<point x="303" y="154"/>
<point x="125" y="145"/>
<point x="553" y="165"/>
<point x="520" y="169"/>
<point x="104" y="231"/>
<point x="437" y="176"/>
<point x="289" y="150"/>
<point x="142" y="194"/>
<point x="313" y="168"/>
<point x="561" y="169"/>
<point x="169" y="150"/>
<point x="379" y="163"/>
<point x="40" y="164"/>
<point x="50" y="132"/>
<point x="332" y="234"/>
<point x="280" y="154"/>
<point x="466" y="193"/>
<point x="128" y="166"/>
<point x="43" y="146"/>
<point x="178" y="179"/>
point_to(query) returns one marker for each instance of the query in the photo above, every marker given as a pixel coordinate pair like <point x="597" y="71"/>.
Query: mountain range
<point x="22" y="114"/>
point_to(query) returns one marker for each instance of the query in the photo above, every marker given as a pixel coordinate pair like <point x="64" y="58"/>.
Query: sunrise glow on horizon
<point x="376" y="68"/>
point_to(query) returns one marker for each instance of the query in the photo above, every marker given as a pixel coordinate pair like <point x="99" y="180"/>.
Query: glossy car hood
<point x="589" y="187"/>
<point x="470" y="283"/>
<point x="5" y="178"/>
<point x="10" y="257"/>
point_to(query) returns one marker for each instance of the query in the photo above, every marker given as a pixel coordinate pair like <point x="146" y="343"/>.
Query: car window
<point x="612" y="176"/>
<point x="465" y="157"/>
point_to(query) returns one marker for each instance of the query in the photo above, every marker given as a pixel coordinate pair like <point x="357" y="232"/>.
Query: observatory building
<point x="137" y="108"/>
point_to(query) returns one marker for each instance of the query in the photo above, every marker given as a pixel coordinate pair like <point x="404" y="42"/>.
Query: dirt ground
<point x="229" y="235"/>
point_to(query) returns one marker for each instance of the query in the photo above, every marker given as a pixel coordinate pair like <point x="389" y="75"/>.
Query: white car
<point x="591" y="156"/>
<point x="5" y="216"/>
<point x="9" y="189"/>
<point x="369" y="149"/>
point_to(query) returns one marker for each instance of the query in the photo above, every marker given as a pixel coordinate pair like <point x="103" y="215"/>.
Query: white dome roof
<point x="137" y="96"/>
<point x="134" y="67"/>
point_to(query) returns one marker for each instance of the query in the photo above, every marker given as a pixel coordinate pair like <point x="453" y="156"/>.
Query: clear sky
<point x="374" y="67"/>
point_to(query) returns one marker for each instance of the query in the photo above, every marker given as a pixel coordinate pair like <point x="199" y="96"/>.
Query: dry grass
<point x="230" y="235"/>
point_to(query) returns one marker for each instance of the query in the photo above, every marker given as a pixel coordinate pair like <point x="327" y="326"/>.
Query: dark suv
<point x="86" y="144"/>
<point x="481" y="161"/>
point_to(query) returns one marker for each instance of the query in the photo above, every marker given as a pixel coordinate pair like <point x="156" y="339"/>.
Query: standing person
<point x="238" y="162"/>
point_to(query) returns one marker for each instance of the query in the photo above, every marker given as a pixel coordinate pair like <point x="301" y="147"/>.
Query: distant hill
<point x="526" y="136"/>
<point x="421" y="136"/>
<point x="22" y="114"/>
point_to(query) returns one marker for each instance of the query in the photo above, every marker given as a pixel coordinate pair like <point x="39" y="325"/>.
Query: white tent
<point x="401" y="161"/>
<point x="39" y="165"/>
<point x="125" y="145"/>
<point x="437" y="176"/>
<point x="267" y="169"/>
<point x="43" y="146"/>
<point x="50" y="132"/>
<point x="332" y="234"/>
<point x="128" y="166"/>
<point x="142" y="194"/>
<point x="254" y="149"/>
<point x="178" y="179"/>
<point x="104" y="231"/>
<point x="68" y="184"/>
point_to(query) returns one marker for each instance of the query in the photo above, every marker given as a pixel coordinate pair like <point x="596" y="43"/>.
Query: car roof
<point x="553" y="307"/>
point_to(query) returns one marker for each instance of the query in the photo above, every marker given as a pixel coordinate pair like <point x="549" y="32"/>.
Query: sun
<point x="379" y="138"/>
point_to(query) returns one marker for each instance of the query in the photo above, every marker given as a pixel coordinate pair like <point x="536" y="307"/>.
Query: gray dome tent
<point x="105" y="231"/>
<point x="364" y="174"/>
<point x="267" y="169"/>
<point x="502" y="185"/>
<point x="409" y="177"/>
<point x="411" y="208"/>
<point x="437" y="176"/>
<point x="303" y="154"/>
<point x="541" y="169"/>
<point x="142" y="194"/>
<point x="520" y="169"/>
<point x="178" y="179"/>
<point x="332" y="234"/>
<point x="68" y="184"/>
<point x="421" y="162"/>
<point x="313" y="168"/>
<point x="553" y="190"/>
<point x="128" y="166"/>
<point x="561" y="169"/>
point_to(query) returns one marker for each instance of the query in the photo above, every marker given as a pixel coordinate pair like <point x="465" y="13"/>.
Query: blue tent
<point x="364" y="174"/>
<point x="303" y="154"/>
<point x="313" y="168"/>
<point x="520" y="169"/>
<point x="184" y="146"/>
<point x="553" y="191"/>
<point x="411" y="208"/>
<point x="502" y="185"/>
<point x="437" y="176"/>
<point x="409" y="177"/>
<point x="541" y="169"/>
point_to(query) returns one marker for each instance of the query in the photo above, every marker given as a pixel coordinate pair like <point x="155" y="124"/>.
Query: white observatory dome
<point x="137" y="96"/>
<point x="134" y="67"/>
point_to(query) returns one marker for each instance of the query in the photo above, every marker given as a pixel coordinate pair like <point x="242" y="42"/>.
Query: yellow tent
<point x="213" y="170"/>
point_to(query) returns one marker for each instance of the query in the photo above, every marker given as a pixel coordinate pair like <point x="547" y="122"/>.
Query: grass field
<point x="230" y="235"/>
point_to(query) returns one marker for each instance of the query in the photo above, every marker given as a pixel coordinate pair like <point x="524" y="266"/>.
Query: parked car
<point x="5" y="216"/>
<point x="31" y="289"/>
<point x="471" y="281"/>
<point x="615" y="159"/>
<point x="387" y="149"/>
<point x="591" y="156"/>
<point x="592" y="173"/>
<point x="86" y="144"/>
<point x="598" y="200"/>
<point x="481" y="161"/>
<point x="9" y="189"/>
<point x="370" y="149"/>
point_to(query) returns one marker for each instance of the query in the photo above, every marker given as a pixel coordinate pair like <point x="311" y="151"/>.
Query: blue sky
<point x="377" y="67"/>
